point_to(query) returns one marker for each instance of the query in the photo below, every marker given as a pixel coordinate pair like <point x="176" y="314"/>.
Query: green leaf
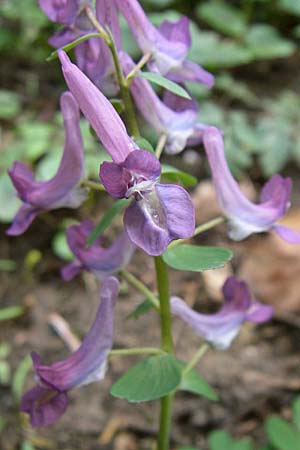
<point x="196" y="258"/>
<point x="20" y="377"/>
<point x="60" y="246"/>
<point x="9" y="202"/>
<point x="11" y="312"/>
<point x="150" y="379"/>
<point x="141" y="309"/>
<point x="223" y="17"/>
<point x="265" y="42"/>
<point x="118" y="105"/>
<point x="165" y="83"/>
<point x="188" y="448"/>
<point x="73" y="44"/>
<point x="170" y="173"/>
<point x="192" y="382"/>
<point x="291" y="6"/>
<point x="10" y="104"/>
<point x="282" y="434"/>
<point x="220" y="440"/>
<point x="296" y="413"/>
<point x="106" y="220"/>
<point x="243" y="444"/>
<point x="144" y="144"/>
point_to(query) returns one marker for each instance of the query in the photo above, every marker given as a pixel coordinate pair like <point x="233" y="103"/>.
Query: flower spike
<point x="48" y="400"/>
<point x="245" y="217"/>
<point x="60" y="191"/>
<point x="222" y="327"/>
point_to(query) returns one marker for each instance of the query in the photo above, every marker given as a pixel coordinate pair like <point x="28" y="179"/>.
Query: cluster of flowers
<point x="158" y="213"/>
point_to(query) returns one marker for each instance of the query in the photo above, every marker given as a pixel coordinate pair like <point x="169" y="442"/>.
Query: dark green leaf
<point x="164" y="82"/>
<point x="11" y="312"/>
<point x="177" y="176"/>
<point x="150" y="379"/>
<point x="106" y="220"/>
<point x="141" y="309"/>
<point x="196" y="258"/>
<point x="117" y="104"/>
<point x="282" y="434"/>
<point x="144" y="144"/>
<point x="73" y="44"/>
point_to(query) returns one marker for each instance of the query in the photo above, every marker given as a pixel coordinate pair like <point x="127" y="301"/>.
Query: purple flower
<point x="168" y="45"/>
<point x="178" y="122"/>
<point x="97" y="259"/>
<point x="98" y="110"/>
<point x="71" y="14"/>
<point x="94" y="57"/>
<point x="245" y="217"/>
<point x="159" y="213"/>
<point x="222" y="327"/>
<point x="60" y="191"/>
<point x="48" y="400"/>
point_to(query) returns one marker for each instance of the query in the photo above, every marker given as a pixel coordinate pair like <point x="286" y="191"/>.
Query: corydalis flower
<point x="222" y="327"/>
<point x="48" y="400"/>
<point x="94" y="57"/>
<point x="245" y="217"/>
<point x="97" y="259"/>
<point x="158" y="213"/>
<point x="60" y="191"/>
<point x="71" y="14"/>
<point x="168" y="45"/>
<point x="181" y="127"/>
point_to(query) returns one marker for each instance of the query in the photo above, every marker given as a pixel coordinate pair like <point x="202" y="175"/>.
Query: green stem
<point x="92" y="185"/>
<point x="140" y="287"/>
<point x="197" y="356"/>
<point x="135" y="351"/>
<point x="200" y="229"/>
<point x="124" y="89"/>
<point x="163" y="441"/>
<point x="137" y="68"/>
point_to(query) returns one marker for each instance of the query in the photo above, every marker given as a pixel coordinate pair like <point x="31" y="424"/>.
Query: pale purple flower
<point x="101" y="261"/>
<point x="179" y="122"/>
<point x="63" y="189"/>
<point x="94" y="57"/>
<point x="168" y="45"/>
<point x="71" y="14"/>
<point x="245" y="217"/>
<point x="48" y="400"/>
<point x="222" y="327"/>
<point x="159" y="213"/>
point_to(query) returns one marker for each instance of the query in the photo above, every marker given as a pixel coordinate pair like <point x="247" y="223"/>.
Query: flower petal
<point x="287" y="234"/>
<point x="114" y="178"/>
<point x="244" y="216"/>
<point x="143" y="163"/>
<point x="87" y="362"/>
<point x="44" y="405"/>
<point x="61" y="11"/>
<point x="22" y="220"/>
<point x="190" y="71"/>
<point x="98" y="111"/>
<point x="177" y="31"/>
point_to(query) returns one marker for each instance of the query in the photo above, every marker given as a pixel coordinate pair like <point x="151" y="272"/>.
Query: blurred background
<point x="252" y="47"/>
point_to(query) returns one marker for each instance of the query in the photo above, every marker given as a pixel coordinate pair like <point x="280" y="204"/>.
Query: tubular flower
<point x="222" y="327"/>
<point x="71" y="14"/>
<point x="48" y="400"/>
<point x="168" y="45"/>
<point x="245" y="217"/>
<point x="60" y="191"/>
<point x="93" y="56"/>
<point x="180" y="126"/>
<point x="159" y="213"/>
<point x="97" y="259"/>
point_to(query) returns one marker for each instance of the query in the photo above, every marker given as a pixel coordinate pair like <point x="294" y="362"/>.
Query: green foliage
<point x="10" y="105"/>
<point x="20" y="376"/>
<point x="196" y="258"/>
<point x="164" y="82"/>
<point x="221" y="440"/>
<point x="150" y="379"/>
<point x="174" y="175"/>
<point x="141" y="309"/>
<point x="193" y="382"/>
<point x="281" y="434"/>
<point x="11" y="312"/>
